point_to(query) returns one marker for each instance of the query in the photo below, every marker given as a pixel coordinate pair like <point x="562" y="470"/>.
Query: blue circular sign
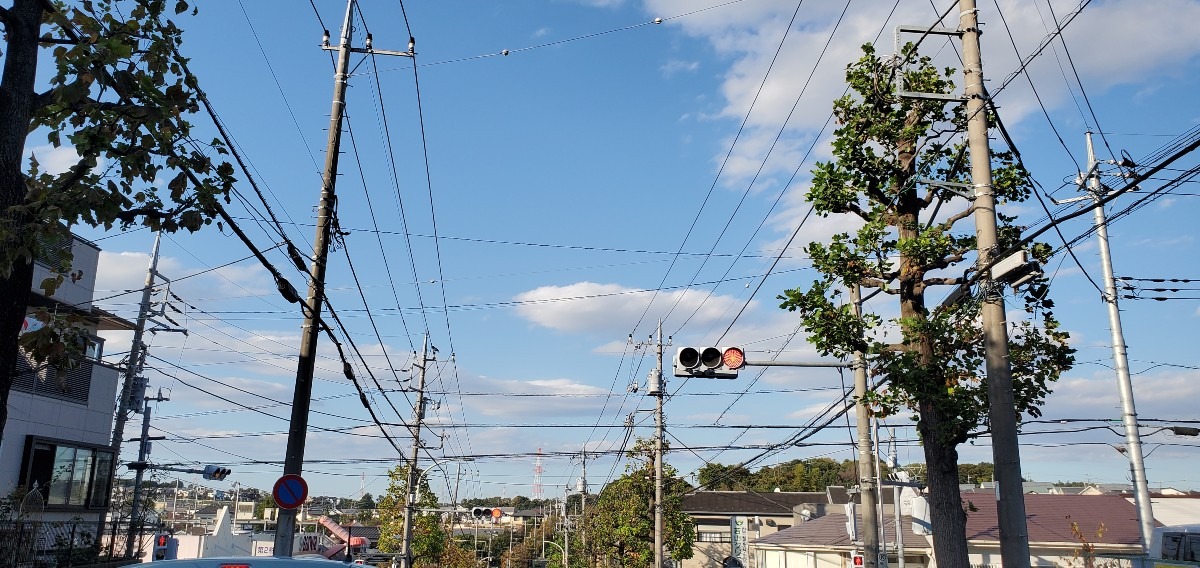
<point x="290" y="491"/>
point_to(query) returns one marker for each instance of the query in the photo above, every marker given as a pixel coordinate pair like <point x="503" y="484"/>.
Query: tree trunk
<point x="946" y="513"/>
<point x="22" y="22"/>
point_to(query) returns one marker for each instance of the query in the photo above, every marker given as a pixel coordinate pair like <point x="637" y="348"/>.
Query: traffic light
<point x="479" y="512"/>
<point x="709" y="362"/>
<point x="858" y="559"/>
<point x="166" y="547"/>
<point x="215" y="472"/>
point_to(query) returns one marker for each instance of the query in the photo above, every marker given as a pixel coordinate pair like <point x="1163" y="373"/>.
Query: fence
<point x="49" y="544"/>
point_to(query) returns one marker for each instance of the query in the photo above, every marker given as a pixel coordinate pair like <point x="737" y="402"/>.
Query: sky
<point x="554" y="178"/>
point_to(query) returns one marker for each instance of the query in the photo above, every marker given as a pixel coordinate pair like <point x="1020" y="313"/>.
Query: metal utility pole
<point x="867" y="491"/>
<point x="1014" y="536"/>
<point x="411" y="485"/>
<point x="658" y="450"/>
<point x="1133" y="439"/>
<point x="135" y="509"/>
<point x="294" y="459"/>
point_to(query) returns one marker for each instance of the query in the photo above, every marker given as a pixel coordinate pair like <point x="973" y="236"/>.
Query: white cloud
<point x="603" y="308"/>
<point x="677" y="66"/>
<point x="54" y="160"/>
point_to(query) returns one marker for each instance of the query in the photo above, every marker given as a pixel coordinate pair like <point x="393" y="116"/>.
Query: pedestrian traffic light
<point x="858" y="559"/>
<point x="166" y="547"/>
<point x="709" y="362"/>
<point x="216" y="473"/>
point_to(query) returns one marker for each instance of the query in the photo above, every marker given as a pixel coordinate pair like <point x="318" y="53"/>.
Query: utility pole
<point x="1133" y="439"/>
<point x="867" y="491"/>
<point x="297" y="431"/>
<point x="135" y="509"/>
<point x="133" y="386"/>
<point x="413" y="476"/>
<point x="658" y="449"/>
<point x="1014" y="536"/>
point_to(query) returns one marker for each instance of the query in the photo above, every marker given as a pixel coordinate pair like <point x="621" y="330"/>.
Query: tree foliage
<point x="118" y="96"/>
<point x="795" y="475"/>
<point x="429" y="537"/>
<point x="902" y="245"/>
<point x="620" y="526"/>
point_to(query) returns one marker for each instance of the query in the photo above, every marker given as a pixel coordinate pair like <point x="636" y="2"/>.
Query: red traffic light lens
<point x="734" y="358"/>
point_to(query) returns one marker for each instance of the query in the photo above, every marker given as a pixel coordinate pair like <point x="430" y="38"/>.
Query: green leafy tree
<point x="621" y="524"/>
<point x="904" y="245"/>
<point x="429" y="537"/>
<point x="117" y="94"/>
<point x="719" y="477"/>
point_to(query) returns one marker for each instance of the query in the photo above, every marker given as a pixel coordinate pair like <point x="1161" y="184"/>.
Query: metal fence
<point x="49" y="544"/>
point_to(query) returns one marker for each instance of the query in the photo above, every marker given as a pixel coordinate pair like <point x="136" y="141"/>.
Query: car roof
<point x="248" y="561"/>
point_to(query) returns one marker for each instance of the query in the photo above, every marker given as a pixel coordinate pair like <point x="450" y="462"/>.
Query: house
<point x="59" y="429"/>
<point x="728" y="519"/>
<point x="1058" y="526"/>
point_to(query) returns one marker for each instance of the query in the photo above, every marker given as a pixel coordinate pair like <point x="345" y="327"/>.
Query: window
<point x="707" y="536"/>
<point x="69" y="475"/>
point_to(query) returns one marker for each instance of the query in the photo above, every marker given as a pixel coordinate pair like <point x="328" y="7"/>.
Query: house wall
<point x="707" y="554"/>
<point x="49" y="413"/>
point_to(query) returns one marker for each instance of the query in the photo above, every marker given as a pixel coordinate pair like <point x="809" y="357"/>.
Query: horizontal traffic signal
<point x="216" y="473"/>
<point x="709" y="362"/>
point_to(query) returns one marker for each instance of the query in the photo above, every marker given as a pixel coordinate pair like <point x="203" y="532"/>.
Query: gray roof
<point x="830" y="531"/>
<point x="747" y="502"/>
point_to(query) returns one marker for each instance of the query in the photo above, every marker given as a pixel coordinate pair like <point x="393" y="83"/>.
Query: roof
<point x="1049" y="521"/>
<point x="748" y="503"/>
<point x="1050" y="516"/>
<point x="830" y="531"/>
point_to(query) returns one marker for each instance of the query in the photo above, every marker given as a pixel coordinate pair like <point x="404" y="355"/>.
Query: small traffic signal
<point x="478" y="512"/>
<point x="709" y="362"/>
<point x="166" y="547"/>
<point x="215" y="472"/>
<point x="858" y="560"/>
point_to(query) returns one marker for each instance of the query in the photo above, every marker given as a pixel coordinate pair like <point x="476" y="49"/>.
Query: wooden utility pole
<point x="1002" y="417"/>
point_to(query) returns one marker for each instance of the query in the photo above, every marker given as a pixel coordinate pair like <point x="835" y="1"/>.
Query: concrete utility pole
<point x="411" y="484"/>
<point x="867" y="491"/>
<point x="135" y="509"/>
<point x="132" y="388"/>
<point x="1014" y="536"/>
<point x="294" y="459"/>
<point x="658" y="450"/>
<point x="1133" y="439"/>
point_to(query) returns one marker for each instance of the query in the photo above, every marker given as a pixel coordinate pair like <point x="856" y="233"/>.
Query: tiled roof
<point x="745" y="502"/>
<point x="1048" y="519"/>
<point x="830" y="530"/>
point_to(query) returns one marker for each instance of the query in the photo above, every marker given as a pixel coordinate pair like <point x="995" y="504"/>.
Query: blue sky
<point x="602" y="159"/>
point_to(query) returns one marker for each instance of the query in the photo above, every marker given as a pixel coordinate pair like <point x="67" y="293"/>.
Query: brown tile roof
<point x="747" y="503"/>
<point x="1049" y="518"/>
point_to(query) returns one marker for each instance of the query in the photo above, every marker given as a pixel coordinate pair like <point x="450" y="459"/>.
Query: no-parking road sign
<point x="290" y="491"/>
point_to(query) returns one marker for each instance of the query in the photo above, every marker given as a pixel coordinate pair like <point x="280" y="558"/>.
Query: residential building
<point x="56" y="449"/>
<point x="1061" y="529"/>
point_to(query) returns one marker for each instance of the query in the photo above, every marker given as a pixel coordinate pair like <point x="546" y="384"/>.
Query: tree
<point x="429" y="537"/>
<point x="621" y="524"/>
<point x="884" y="148"/>
<point x="118" y="95"/>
